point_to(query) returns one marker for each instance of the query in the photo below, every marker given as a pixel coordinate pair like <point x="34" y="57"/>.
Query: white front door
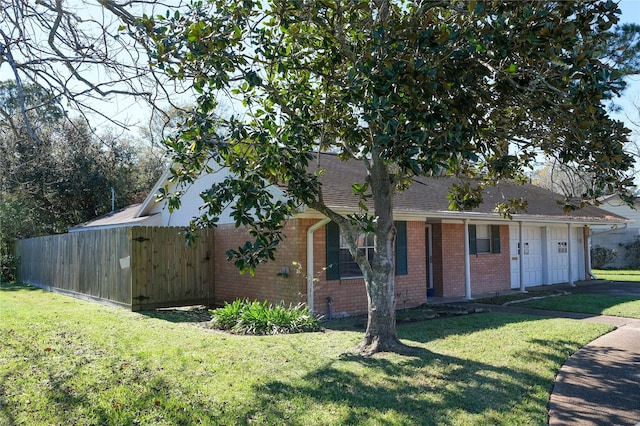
<point x="531" y="255"/>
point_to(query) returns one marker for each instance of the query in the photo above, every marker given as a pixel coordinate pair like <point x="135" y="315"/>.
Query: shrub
<point x="632" y="252"/>
<point x="245" y="317"/>
<point x="8" y="267"/>
<point x="600" y="256"/>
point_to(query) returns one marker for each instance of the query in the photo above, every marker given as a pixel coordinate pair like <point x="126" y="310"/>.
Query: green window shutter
<point x="473" y="248"/>
<point x="401" y="248"/>
<point x="495" y="238"/>
<point x="333" y="251"/>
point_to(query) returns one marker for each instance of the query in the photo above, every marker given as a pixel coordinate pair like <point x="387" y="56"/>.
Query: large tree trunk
<point x="381" y="325"/>
<point x="380" y="282"/>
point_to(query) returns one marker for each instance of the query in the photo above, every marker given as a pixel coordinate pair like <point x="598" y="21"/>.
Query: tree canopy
<point x="80" y="53"/>
<point x="66" y="177"/>
<point x="410" y="88"/>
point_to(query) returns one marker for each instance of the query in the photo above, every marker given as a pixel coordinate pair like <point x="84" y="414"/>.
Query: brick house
<point x="439" y="252"/>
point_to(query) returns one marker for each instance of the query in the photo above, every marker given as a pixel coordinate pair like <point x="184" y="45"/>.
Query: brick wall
<point x="349" y="296"/>
<point x="489" y="272"/>
<point x="267" y="283"/>
<point x="448" y="259"/>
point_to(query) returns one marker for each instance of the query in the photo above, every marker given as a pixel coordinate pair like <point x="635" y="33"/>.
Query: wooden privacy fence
<point x="139" y="267"/>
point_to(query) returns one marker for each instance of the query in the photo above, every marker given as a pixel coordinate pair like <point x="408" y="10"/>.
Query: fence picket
<point x="139" y="267"/>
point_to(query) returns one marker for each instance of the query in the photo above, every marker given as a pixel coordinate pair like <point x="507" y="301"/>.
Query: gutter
<point x="310" y="272"/>
<point x="613" y="228"/>
<point x="459" y="217"/>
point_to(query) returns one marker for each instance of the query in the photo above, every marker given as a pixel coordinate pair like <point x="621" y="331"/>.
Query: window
<point x="340" y="263"/>
<point x="563" y="247"/>
<point x="484" y="239"/>
<point x="483" y="242"/>
<point x="526" y="248"/>
<point x="348" y="266"/>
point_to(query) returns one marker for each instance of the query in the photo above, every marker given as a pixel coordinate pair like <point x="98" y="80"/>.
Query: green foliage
<point x="600" y="256"/>
<point x="8" y="267"/>
<point x="470" y="89"/>
<point x="632" y="253"/>
<point x="245" y="317"/>
<point x="425" y="87"/>
<point x="66" y="177"/>
<point x="41" y="105"/>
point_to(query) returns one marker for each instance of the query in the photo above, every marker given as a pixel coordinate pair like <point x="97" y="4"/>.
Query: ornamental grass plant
<point x="259" y="318"/>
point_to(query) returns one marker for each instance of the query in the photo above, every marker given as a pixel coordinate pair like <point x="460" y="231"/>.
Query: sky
<point x="125" y="110"/>
<point x="630" y="11"/>
<point x="629" y="114"/>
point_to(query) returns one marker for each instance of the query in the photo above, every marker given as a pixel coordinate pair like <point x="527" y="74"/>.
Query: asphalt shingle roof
<point x="429" y="195"/>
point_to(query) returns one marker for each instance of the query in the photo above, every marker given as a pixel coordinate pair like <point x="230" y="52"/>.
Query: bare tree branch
<point x="82" y="52"/>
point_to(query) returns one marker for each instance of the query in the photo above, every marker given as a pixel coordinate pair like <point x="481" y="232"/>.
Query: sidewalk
<point x="600" y="383"/>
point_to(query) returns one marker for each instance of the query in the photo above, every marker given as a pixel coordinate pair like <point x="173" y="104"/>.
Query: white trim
<point x="152" y="194"/>
<point x="521" y="258"/>
<point x="467" y="262"/>
<point x="460" y="217"/>
<point x="569" y="255"/>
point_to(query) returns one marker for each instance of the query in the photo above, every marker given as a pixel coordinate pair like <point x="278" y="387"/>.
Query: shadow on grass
<point x="192" y="314"/>
<point x="15" y="286"/>
<point x="426" y="389"/>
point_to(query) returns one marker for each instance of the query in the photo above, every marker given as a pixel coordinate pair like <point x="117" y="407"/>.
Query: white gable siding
<point x="613" y="236"/>
<point x="617" y="206"/>
<point x="190" y="201"/>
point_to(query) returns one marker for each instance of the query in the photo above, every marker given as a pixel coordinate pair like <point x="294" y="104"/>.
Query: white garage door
<point x="558" y="256"/>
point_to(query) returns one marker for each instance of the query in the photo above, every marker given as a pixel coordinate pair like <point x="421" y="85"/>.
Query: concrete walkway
<point x="600" y="383"/>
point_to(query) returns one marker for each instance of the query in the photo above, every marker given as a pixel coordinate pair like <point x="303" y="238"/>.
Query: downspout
<point x="569" y="247"/>
<point x="310" y="273"/>
<point x="467" y="262"/>
<point x="521" y="259"/>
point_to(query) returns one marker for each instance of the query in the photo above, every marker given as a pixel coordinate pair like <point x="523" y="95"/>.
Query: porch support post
<point x="467" y="262"/>
<point x="587" y="253"/>
<point x="569" y="250"/>
<point x="521" y="259"/>
<point x="310" y="272"/>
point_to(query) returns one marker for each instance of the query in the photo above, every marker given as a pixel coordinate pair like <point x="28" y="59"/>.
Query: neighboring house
<point x="445" y="253"/>
<point x="615" y="236"/>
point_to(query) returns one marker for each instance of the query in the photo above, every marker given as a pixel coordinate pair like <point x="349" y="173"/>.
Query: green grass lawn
<point x="618" y="275"/>
<point x="598" y="304"/>
<point x="65" y="361"/>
